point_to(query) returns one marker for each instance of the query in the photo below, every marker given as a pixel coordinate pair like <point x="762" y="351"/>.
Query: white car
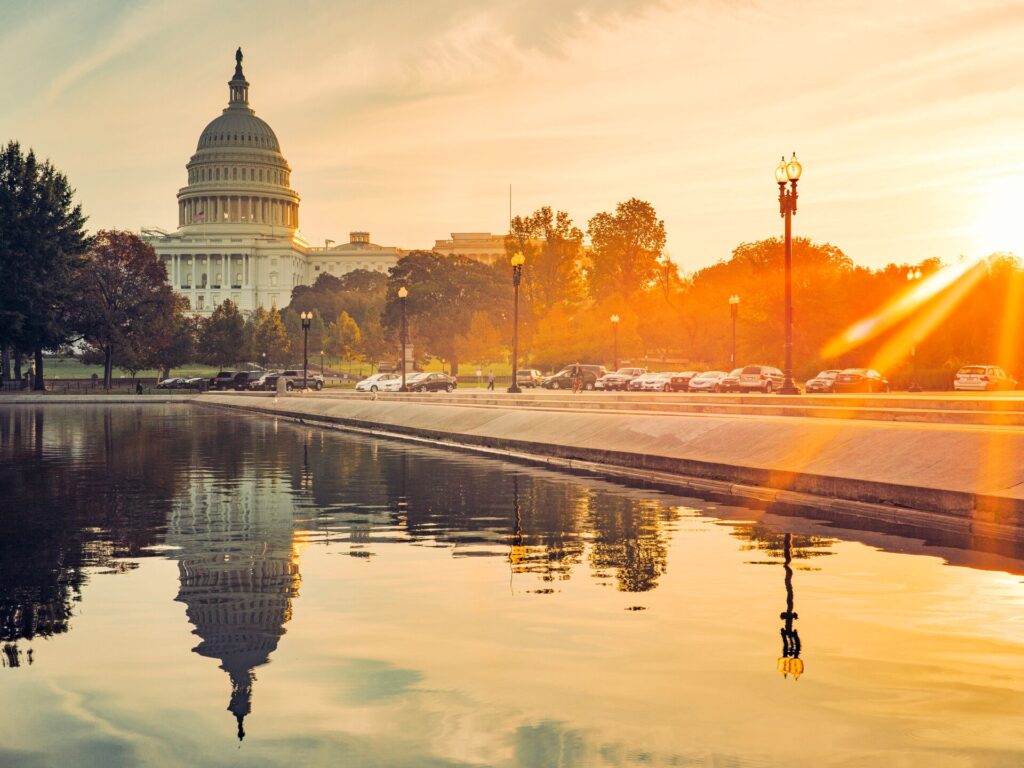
<point x="709" y="381"/>
<point x="978" y="378"/>
<point x="652" y="382"/>
<point x="380" y="382"/>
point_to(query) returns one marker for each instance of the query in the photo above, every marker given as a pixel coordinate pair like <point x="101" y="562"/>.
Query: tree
<point x="122" y="301"/>
<point x="343" y="337"/>
<point x="481" y="343"/>
<point x="42" y="243"/>
<point x="270" y="339"/>
<point x="553" y="247"/>
<point x="222" y="335"/>
<point x="444" y="294"/>
<point x="626" y="247"/>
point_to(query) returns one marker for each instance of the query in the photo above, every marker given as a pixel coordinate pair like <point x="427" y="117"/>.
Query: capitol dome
<point x="238" y="176"/>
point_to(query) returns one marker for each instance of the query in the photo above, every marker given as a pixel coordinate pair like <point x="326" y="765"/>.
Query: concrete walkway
<point x="967" y="472"/>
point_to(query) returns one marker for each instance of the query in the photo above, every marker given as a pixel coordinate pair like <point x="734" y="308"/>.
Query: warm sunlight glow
<point x="910" y="301"/>
<point x="998" y="225"/>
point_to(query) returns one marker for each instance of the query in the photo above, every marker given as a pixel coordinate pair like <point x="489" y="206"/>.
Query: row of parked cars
<point x="240" y="381"/>
<point x="417" y="381"/>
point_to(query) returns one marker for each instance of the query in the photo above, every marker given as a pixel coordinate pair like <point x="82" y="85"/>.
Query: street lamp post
<point x="734" y="310"/>
<point x="517" y="262"/>
<point x="913" y="275"/>
<point x="615" y="342"/>
<point x="403" y="292"/>
<point x="321" y="363"/>
<point x="306" y="318"/>
<point x="787" y="209"/>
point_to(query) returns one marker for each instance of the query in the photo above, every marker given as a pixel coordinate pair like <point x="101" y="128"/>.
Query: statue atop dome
<point x="238" y="63"/>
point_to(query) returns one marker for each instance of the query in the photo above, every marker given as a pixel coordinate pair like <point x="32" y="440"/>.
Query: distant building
<point x="479" y="246"/>
<point x="238" y="220"/>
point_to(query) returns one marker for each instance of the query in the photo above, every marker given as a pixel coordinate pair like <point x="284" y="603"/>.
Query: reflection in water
<point x="233" y="499"/>
<point x="790" y="662"/>
<point x="238" y="575"/>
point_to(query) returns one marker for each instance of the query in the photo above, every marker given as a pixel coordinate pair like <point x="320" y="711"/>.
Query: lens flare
<point x="964" y="274"/>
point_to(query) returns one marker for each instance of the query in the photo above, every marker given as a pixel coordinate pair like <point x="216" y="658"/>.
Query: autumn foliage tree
<point x="626" y="246"/>
<point x="124" y="307"/>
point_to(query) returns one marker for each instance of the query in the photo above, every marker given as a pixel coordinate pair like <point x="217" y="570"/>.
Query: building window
<point x="199" y="302"/>
<point x="273" y="278"/>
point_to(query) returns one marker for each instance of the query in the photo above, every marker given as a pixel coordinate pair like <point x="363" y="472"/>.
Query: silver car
<point x="760" y="378"/>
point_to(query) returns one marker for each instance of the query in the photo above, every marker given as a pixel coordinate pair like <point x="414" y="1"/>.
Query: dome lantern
<point x="238" y="86"/>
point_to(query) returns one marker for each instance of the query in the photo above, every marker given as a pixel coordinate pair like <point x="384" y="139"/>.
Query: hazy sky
<point x="410" y="119"/>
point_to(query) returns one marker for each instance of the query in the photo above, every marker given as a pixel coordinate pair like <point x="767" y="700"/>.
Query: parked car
<point x="618" y="379"/>
<point x="709" y="381"/>
<point x="529" y="377"/>
<point x="432" y="382"/>
<point x="760" y="377"/>
<point x="731" y="381"/>
<point x="196" y="382"/>
<point x="380" y="382"/>
<point x="293" y="380"/>
<point x="223" y="380"/>
<point x="260" y="384"/>
<point x="825" y="381"/>
<point x="174" y="383"/>
<point x="563" y="379"/>
<point x="244" y="378"/>
<point x="861" y="380"/>
<point x="652" y="382"/>
<point x="680" y="382"/>
<point x="977" y="378"/>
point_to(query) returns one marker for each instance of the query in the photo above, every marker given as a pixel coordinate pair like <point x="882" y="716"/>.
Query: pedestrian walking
<point x="490" y="380"/>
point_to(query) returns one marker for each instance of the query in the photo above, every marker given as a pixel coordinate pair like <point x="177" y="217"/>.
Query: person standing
<point x="490" y="380"/>
<point x="577" y="378"/>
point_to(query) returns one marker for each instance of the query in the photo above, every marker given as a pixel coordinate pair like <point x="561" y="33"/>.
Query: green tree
<point x="123" y="303"/>
<point x="222" y="335"/>
<point x="481" y="343"/>
<point x="343" y="338"/>
<point x="42" y="244"/>
<point x="444" y="294"/>
<point x="270" y="340"/>
<point x="626" y="247"/>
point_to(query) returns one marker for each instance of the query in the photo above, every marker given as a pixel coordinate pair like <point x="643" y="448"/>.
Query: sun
<point x="998" y="224"/>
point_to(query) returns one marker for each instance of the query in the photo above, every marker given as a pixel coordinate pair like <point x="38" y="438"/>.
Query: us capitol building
<point x="238" y="220"/>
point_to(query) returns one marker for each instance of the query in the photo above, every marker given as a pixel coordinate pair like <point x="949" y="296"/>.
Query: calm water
<point x="184" y="587"/>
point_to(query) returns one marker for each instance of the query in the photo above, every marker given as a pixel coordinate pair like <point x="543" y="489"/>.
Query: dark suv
<point x="223" y="380"/>
<point x="563" y="379"/>
<point x="244" y="378"/>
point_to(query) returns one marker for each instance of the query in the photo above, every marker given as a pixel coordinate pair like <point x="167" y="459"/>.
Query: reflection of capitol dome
<point x="238" y="174"/>
<point x="238" y="575"/>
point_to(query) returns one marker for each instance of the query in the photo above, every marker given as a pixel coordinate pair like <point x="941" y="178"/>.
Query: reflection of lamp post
<point x="734" y="310"/>
<point x="787" y="208"/>
<point x="790" y="662"/>
<point x="615" y="341"/>
<point x="517" y="262"/>
<point x="306" y="318"/>
<point x="403" y="292"/>
<point x="913" y="275"/>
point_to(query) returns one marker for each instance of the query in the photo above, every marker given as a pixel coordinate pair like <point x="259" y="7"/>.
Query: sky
<point x="411" y="119"/>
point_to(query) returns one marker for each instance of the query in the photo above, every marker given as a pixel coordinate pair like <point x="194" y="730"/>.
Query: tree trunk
<point x="454" y="369"/>
<point x="166" y="371"/>
<point x="108" y="367"/>
<point x="17" y="365"/>
<point x="40" y="384"/>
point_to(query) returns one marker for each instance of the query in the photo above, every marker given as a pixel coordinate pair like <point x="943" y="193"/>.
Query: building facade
<point x="238" y="220"/>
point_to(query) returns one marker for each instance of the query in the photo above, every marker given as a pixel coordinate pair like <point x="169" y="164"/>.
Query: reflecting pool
<point x="186" y="587"/>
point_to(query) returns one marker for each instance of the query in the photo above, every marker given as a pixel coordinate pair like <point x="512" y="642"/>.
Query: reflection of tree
<point x="84" y="487"/>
